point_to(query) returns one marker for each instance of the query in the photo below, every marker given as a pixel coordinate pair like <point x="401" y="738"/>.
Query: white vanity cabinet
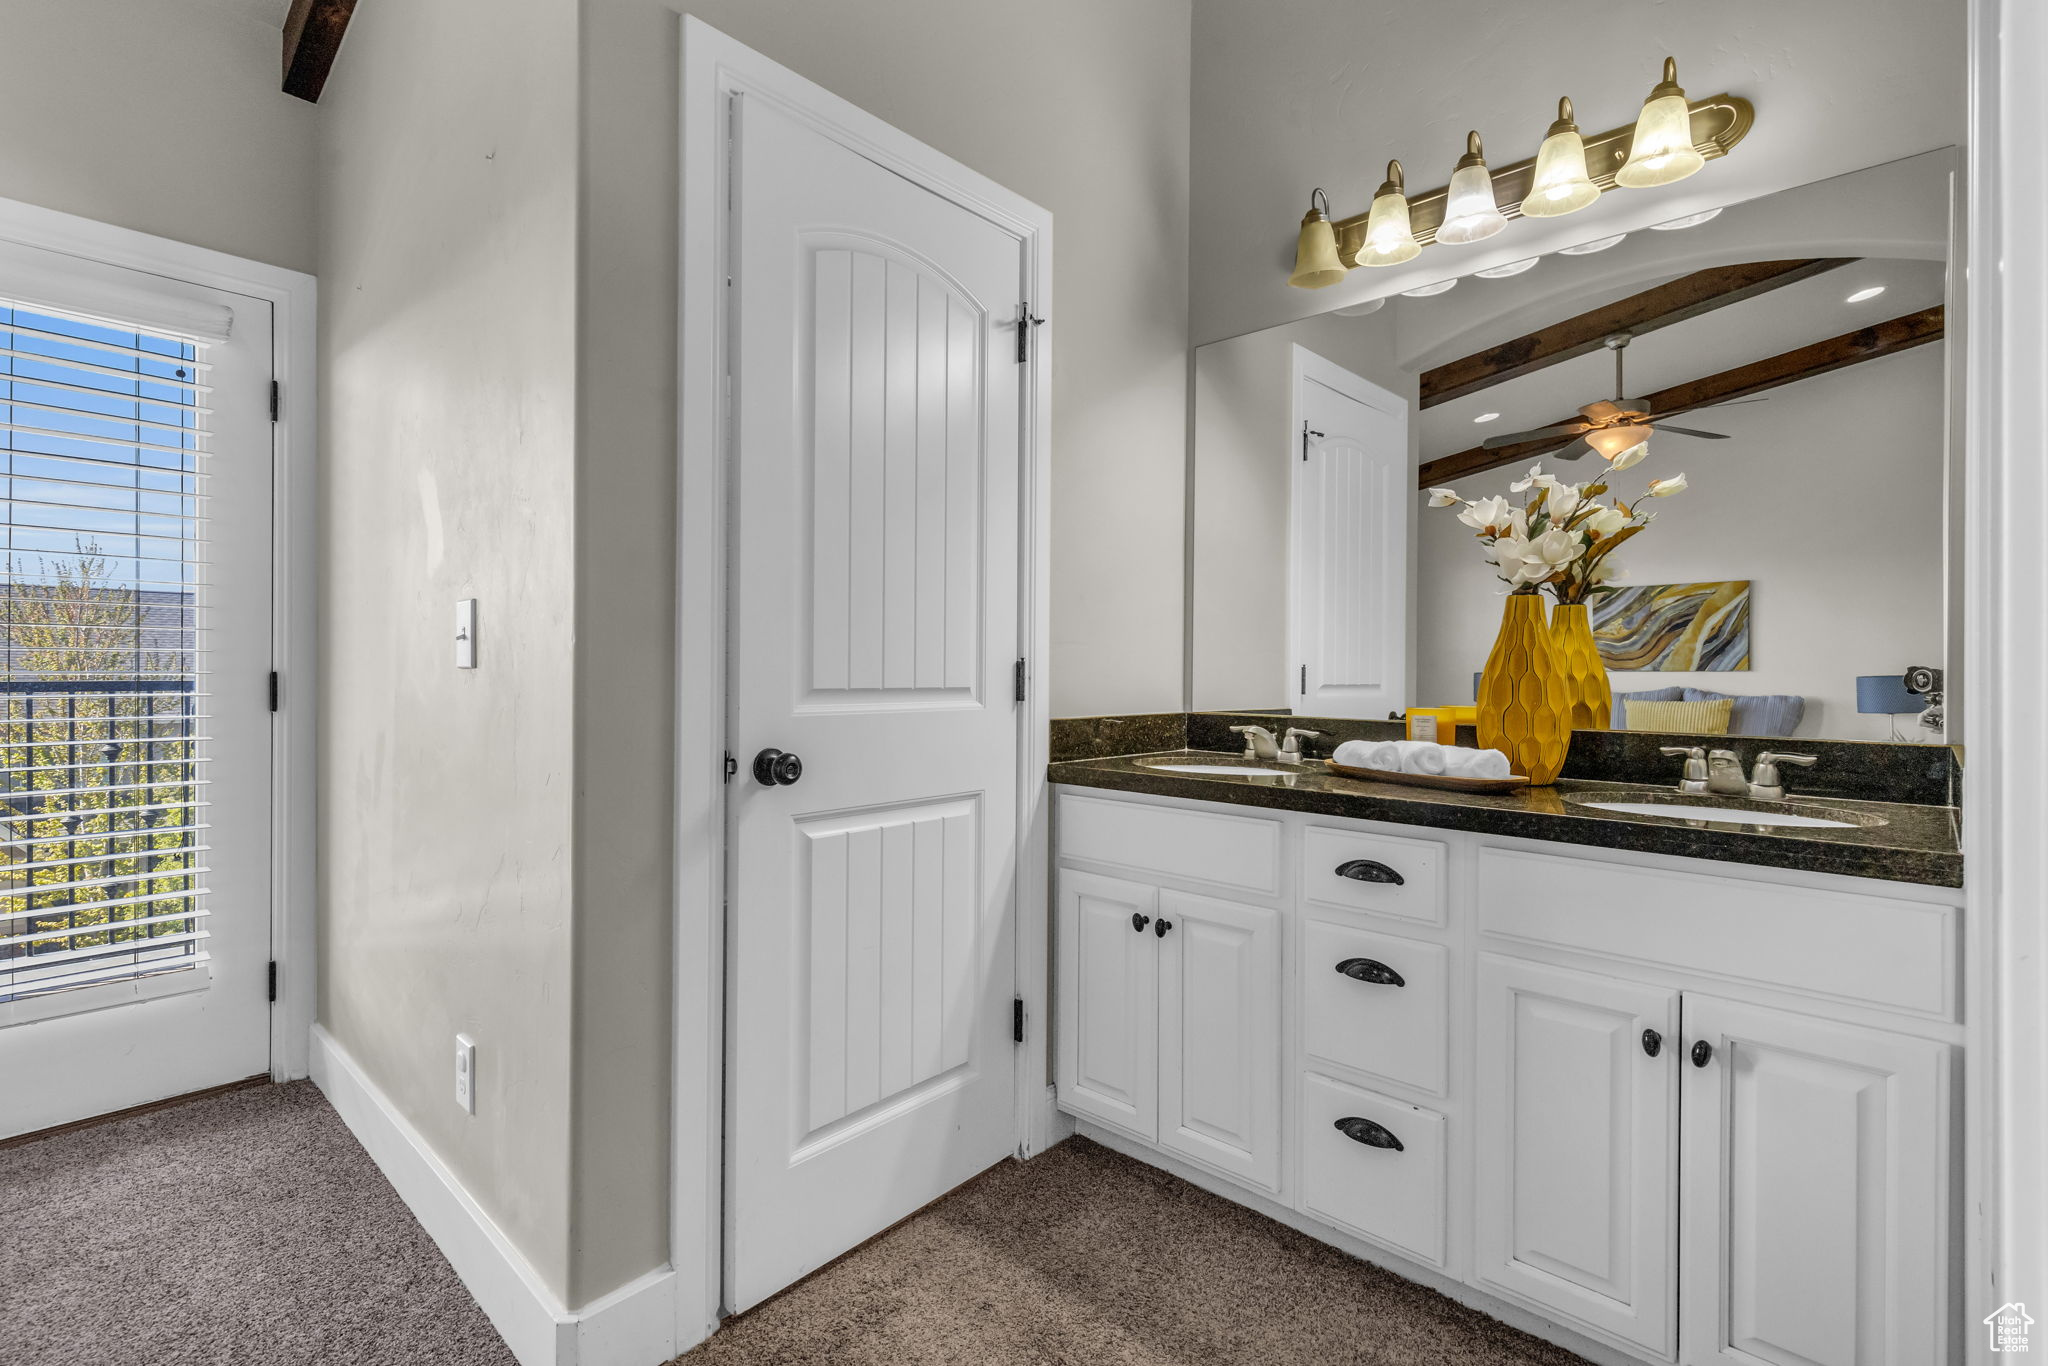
<point x="1681" y="1111"/>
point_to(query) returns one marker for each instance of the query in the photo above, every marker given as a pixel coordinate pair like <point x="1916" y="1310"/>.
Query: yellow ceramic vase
<point x="1585" y="673"/>
<point x="1524" y="702"/>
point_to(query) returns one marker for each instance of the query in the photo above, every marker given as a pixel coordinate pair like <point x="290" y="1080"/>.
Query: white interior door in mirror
<point x="1348" y="548"/>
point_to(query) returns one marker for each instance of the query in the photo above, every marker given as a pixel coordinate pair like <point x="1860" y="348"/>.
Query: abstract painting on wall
<point x="1674" y="627"/>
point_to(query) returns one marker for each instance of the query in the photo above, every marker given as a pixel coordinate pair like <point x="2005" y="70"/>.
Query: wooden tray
<point x="1442" y="782"/>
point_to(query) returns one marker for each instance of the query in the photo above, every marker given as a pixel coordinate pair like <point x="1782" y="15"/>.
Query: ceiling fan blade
<point x="1578" y="450"/>
<point x="1688" y="431"/>
<point x="1493" y="443"/>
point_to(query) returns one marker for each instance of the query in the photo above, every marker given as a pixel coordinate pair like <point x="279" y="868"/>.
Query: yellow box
<point x="1433" y="723"/>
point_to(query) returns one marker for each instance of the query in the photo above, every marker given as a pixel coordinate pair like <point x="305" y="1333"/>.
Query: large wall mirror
<point x="1794" y="351"/>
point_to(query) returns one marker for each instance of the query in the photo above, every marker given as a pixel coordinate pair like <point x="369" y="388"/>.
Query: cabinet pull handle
<point x="1162" y="927"/>
<point x="1370" y="870"/>
<point x="1139" y="922"/>
<point x="1370" y="1134"/>
<point x="1371" y="970"/>
<point x="1702" y="1053"/>
<point x="1653" y="1042"/>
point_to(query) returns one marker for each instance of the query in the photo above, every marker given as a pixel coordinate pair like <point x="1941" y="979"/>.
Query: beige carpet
<point x="1085" y="1258"/>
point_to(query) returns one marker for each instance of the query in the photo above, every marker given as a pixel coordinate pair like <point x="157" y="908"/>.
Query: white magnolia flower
<point x="1518" y="522"/>
<point x="1607" y="571"/>
<point x="1535" y="477"/>
<point x="1564" y="501"/>
<point x="1536" y="559"/>
<point x="1485" y="513"/>
<point x="1632" y="456"/>
<point x="1443" y="498"/>
<point x="1664" y="488"/>
<point x="1605" y="522"/>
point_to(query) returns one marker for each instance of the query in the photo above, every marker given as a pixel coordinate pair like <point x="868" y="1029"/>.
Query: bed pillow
<point x="1622" y="699"/>
<point x="1758" y="714"/>
<point x="1682" y="718"/>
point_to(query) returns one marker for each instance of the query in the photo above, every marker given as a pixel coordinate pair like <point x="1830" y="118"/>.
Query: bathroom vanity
<point x="1655" y="1083"/>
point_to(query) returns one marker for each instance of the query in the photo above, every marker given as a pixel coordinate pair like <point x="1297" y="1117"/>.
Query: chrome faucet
<point x="1258" y="742"/>
<point x="1694" y="783"/>
<point x="1291" y="748"/>
<point x="1764" y="783"/>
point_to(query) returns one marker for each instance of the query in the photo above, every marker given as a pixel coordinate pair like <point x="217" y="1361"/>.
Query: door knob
<point x="1653" y="1042"/>
<point x="1702" y="1053"/>
<point x="774" y="768"/>
<point x="1139" y="921"/>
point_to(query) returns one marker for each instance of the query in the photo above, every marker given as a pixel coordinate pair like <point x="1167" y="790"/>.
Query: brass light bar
<point x="1718" y="123"/>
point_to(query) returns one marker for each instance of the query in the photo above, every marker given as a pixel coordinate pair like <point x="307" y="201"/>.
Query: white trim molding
<point x="714" y="69"/>
<point x="632" y="1326"/>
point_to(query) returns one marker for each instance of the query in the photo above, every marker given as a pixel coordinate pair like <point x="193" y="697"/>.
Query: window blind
<point x="102" y="651"/>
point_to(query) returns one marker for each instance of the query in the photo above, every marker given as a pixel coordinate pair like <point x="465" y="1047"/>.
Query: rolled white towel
<point x="1422" y="756"/>
<point x="1476" y="763"/>
<point x="1380" y="754"/>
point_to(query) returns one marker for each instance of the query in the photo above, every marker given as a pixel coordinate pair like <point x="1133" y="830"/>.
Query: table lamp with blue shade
<point x="1886" y="695"/>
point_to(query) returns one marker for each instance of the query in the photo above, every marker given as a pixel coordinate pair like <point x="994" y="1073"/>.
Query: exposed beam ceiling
<point x="1686" y="297"/>
<point x="312" y="36"/>
<point x="1851" y="348"/>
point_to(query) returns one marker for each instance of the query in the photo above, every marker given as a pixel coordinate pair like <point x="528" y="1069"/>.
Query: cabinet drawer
<point x="1392" y="1196"/>
<point x="1355" y="1015"/>
<point x="1241" y="852"/>
<point x="1850" y="946"/>
<point x="1384" y="874"/>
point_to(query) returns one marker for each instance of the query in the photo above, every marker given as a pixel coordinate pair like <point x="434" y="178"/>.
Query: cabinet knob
<point x="1162" y="926"/>
<point x="1360" y="1130"/>
<point x="1370" y="870"/>
<point x="1371" y="970"/>
<point x="1139" y="922"/>
<point x="1653" y="1042"/>
<point x="1702" y="1053"/>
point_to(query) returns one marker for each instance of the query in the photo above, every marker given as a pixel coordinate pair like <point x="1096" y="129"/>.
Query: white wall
<point x="1291" y="94"/>
<point x="1828" y="497"/>
<point x="158" y="116"/>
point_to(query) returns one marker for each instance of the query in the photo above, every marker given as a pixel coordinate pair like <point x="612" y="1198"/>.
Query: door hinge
<point x="1026" y="320"/>
<point x="1018" y="680"/>
<point x="732" y="766"/>
<point x="273" y="689"/>
<point x="1017" y="1020"/>
<point x="273" y="979"/>
<point x="1306" y="433"/>
<point x="1304" y="680"/>
<point x="276" y="400"/>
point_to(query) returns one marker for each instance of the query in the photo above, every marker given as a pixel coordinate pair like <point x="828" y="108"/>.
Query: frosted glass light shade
<point x="1560" y="184"/>
<point x="1662" y="151"/>
<point x="1470" y="213"/>
<point x="1611" y="442"/>
<point x="1389" y="240"/>
<point x="1316" y="264"/>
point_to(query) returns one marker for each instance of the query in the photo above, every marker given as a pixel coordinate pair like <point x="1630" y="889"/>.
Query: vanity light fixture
<point x="1315" y="252"/>
<point x="1487" y="417"/>
<point x="1425" y="291"/>
<point x="1597" y="244"/>
<point x="1662" y="151"/>
<point x="1561" y="185"/>
<point x="1470" y="213"/>
<point x="1389" y="240"/>
<point x="1511" y="268"/>
<point x="1862" y="295"/>
<point x="1691" y="220"/>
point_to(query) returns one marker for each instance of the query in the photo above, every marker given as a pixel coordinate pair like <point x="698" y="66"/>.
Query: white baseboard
<point x="634" y="1325"/>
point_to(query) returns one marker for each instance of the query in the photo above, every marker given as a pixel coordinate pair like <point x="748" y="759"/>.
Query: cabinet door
<point x="1814" y="1192"/>
<point x="1108" y="1002"/>
<point x="1577" y="1141"/>
<point x="1219" y="1036"/>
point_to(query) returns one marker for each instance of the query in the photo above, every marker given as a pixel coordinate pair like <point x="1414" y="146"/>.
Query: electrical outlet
<point x="465" y="1073"/>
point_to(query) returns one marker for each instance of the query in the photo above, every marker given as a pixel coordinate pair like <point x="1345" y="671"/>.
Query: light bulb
<point x="1611" y="442"/>
<point x="1560" y="185"/>
<point x="1470" y="213"/>
<point x="1316" y="263"/>
<point x="1662" y="150"/>
<point x="1389" y="240"/>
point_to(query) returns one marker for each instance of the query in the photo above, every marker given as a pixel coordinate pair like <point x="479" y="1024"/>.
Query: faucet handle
<point x="1695" y="779"/>
<point x="1765" y="784"/>
<point x="1291" y="747"/>
<point x="1802" y="760"/>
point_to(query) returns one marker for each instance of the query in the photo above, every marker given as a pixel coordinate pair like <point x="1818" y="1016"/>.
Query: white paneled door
<point x="1348" y="576"/>
<point x="873" y="625"/>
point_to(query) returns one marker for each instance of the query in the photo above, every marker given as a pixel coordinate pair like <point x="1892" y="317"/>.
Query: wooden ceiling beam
<point x="1851" y="348"/>
<point x="1689" y="296"/>
<point x="312" y="36"/>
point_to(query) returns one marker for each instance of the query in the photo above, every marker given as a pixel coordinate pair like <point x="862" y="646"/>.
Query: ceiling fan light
<point x="1389" y="239"/>
<point x="1662" y="150"/>
<point x="1470" y="212"/>
<point x="1611" y="443"/>
<point x="1560" y="185"/>
<point x="1316" y="263"/>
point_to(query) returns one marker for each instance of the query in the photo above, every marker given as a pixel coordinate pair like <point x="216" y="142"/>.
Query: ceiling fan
<point x="1608" y="427"/>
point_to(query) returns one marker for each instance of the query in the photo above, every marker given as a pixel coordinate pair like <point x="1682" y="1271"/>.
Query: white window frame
<point x="292" y="296"/>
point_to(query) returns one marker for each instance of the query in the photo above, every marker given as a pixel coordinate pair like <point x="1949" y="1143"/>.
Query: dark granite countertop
<point x="1916" y="843"/>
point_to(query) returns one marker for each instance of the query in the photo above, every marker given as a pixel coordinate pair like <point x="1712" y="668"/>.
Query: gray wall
<point x="165" y="118"/>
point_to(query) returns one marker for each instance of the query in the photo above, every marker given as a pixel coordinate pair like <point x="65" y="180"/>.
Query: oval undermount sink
<point x="1754" y="813"/>
<point x="1230" y="770"/>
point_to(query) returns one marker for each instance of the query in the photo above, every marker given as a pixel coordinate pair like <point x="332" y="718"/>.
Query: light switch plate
<point x="465" y="634"/>
<point x="465" y="1073"/>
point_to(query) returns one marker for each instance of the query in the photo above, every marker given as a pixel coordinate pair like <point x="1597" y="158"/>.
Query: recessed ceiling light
<point x="1361" y="310"/>
<point x="1860" y="295"/>
<point x="1598" y="244"/>
<point x="1486" y="417"/>
<point x="1511" y="268"/>
<point x="1691" y="220"/>
<point x="1424" y="291"/>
